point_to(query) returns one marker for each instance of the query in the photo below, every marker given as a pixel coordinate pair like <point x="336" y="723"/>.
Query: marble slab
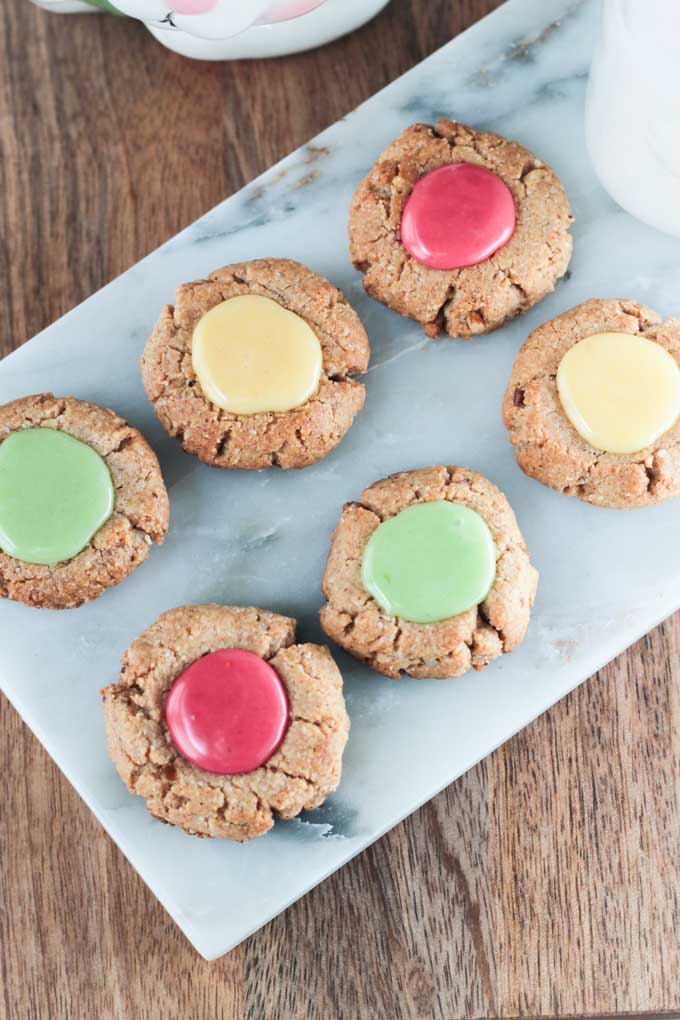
<point x="607" y="577"/>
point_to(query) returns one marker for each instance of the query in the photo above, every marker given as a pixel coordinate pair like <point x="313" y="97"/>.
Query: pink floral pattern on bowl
<point x="235" y="29"/>
<point x="215" y="19"/>
<point x="286" y="10"/>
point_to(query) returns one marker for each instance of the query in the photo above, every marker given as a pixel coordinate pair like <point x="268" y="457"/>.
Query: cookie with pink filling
<point x="459" y="229"/>
<point x="220" y="720"/>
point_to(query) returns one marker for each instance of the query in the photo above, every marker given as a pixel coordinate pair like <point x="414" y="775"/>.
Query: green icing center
<point x="55" y="494"/>
<point x="429" y="562"/>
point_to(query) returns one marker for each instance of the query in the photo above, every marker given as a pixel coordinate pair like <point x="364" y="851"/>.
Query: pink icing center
<point x="191" y="6"/>
<point x="457" y="215"/>
<point x="228" y="712"/>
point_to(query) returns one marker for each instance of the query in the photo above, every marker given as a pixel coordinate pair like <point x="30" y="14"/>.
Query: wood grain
<point x="543" y="883"/>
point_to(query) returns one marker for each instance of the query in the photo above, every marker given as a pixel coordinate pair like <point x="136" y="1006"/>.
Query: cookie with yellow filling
<point x="253" y="366"/>
<point x="593" y="404"/>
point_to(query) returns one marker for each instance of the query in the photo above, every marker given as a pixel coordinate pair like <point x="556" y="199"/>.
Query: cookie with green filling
<point x="82" y="500"/>
<point x="428" y="574"/>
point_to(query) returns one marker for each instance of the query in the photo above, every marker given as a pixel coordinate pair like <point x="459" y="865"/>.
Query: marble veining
<point x="606" y="576"/>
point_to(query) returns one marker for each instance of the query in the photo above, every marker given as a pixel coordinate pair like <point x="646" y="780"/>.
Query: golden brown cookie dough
<point x="547" y="445"/>
<point x="140" y="512"/>
<point x="450" y="647"/>
<point x="475" y="299"/>
<point x="299" y="776"/>
<point x="289" y="439"/>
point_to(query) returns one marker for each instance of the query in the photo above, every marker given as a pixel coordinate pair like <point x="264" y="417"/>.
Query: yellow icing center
<point x="252" y="355"/>
<point x="619" y="391"/>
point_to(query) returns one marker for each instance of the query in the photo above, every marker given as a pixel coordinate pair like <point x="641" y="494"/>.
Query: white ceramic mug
<point x="633" y="109"/>
<point x="233" y="29"/>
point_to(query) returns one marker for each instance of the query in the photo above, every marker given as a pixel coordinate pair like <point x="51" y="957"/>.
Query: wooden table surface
<point x="543" y="883"/>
